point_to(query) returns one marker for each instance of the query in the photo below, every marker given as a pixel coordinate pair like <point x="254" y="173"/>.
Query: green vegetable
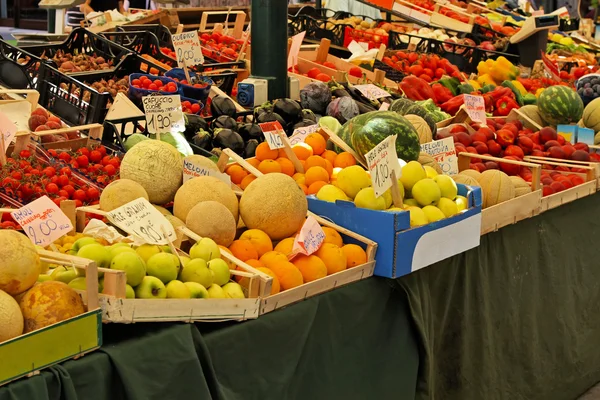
<point x="330" y="123"/>
<point x="434" y="111"/>
<point x="465" y="88"/>
<point x="515" y="90"/>
<point x="405" y="106"/>
<point x="133" y="140"/>
<point x="451" y="83"/>
<point x="488" y="87"/>
<point x="560" y="105"/>
<point x="178" y="141"/>
<point x="529" y="99"/>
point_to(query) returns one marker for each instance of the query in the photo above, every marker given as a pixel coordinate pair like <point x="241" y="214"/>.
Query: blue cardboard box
<point x="402" y="249"/>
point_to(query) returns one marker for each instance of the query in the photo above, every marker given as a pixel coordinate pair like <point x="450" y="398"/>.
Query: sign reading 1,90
<point x="163" y="114"/>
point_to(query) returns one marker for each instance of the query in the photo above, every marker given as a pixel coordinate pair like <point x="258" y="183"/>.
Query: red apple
<point x="568" y="149"/>
<point x="511" y="127"/>
<point x="557" y="186"/>
<point x="458" y="128"/>
<point x="556" y="152"/>
<point x="463" y="137"/>
<point x="494" y="147"/>
<point x="479" y="137"/>
<point x="491" y="165"/>
<point x="547" y="191"/>
<point x="480" y="147"/>
<point x="505" y="137"/>
<point x="479" y="167"/>
<point x="537" y="153"/>
<point x="560" y="139"/>
<point x="582" y="146"/>
<point x="514" y="151"/>
<point x="547" y="133"/>
<point x="580" y="155"/>
<point x="526" y="144"/>
<point x="535" y="138"/>
<point x="488" y="132"/>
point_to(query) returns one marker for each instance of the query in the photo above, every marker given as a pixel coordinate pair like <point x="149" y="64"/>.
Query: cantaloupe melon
<point x="48" y="303"/>
<point x="466" y="180"/>
<point x="532" y="112"/>
<point x="19" y="262"/>
<point x="425" y="159"/>
<point x="213" y="220"/>
<point x="521" y="186"/>
<point x="204" y="188"/>
<point x="275" y="204"/>
<point x="155" y="165"/>
<point x="496" y="187"/>
<point x="472" y="173"/>
<point x="423" y="130"/>
<point x="591" y="115"/>
<point x="162" y="210"/>
<point x="11" y="319"/>
<point x="121" y="192"/>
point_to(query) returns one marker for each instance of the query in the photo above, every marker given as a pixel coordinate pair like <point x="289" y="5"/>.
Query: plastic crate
<point x="18" y="68"/>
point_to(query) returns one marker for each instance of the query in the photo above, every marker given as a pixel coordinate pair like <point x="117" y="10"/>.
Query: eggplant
<point x="250" y="131"/>
<point x="340" y="93"/>
<point x="288" y="109"/>
<point x="308" y="114"/>
<point x="193" y="125"/>
<point x="221" y="105"/>
<point x="225" y="121"/>
<point x="203" y="139"/>
<point x="226" y="138"/>
<point x="271" y="116"/>
<point x="250" y="150"/>
<point x="364" y="108"/>
<point x="304" y="123"/>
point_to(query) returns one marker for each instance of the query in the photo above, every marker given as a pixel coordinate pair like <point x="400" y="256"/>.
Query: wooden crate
<point x="26" y="355"/>
<point x="571" y="163"/>
<point x="511" y="211"/>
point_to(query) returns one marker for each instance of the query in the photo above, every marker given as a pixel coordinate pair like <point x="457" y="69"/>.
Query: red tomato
<point x="79" y="195"/>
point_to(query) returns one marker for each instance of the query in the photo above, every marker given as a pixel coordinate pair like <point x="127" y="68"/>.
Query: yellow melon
<point x="521" y="186"/>
<point x="48" y="303"/>
<point x="465" y="180"/>
<point x="213" y="220"/>
<point x="121" y="192"/>
<point x="275" y="204"/>
<point x="423" y="130"/>
<point x="204" y="188"/>
<point x="20" y="263"/>
<point x="11" y="319"/>
<point x="496" y="187"/>
<point x="427" y="160"/>
<point x="472" y="173"/>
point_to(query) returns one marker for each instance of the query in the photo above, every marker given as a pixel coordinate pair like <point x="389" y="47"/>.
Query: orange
<point x="289" y="276"/>
<point x="263" y="152"/>
<point x="243" y="249"/>
<point x="255" y="263"/>
<point x="344" y="160"/>
<point x="260" y="240"/>
<point x="223" y="248"/>
<point x="298" y="177"/>
<point x="272" y="257"/>
<point x="282" y="154"/>
<point x="332" y="236"/>
<point x="315" y="186"/>
<point x="254" y="162"/>
<point x="355" y="255"/>
<point x="243" y="280"/>
<point x="304" y="188"/>
<point x="329" y="155"/>
<point x="268" y="166"/>
<point x="329" y="167"/>
<point x="302" y="151"/>
<point x="275" y="286"/>
<point x="246" y="181"/>
<point x="311" y="267"/>
<point x="285" y="246"/>
<point x="333" y="257"/>
<point x="232" y="168"/>
<point x="316" y="161"/>
<point x="315" y="174"/>
<point x="236" y="173"/>
<point x="317" y="142"/>
<point x="286" y="166"/>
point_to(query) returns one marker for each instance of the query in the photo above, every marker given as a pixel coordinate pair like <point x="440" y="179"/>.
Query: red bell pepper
<point x="416" y="88"/>
<point x="453" y="105"/>
<point x="504" y="105"/>
<point x="501" y="91"/>
<point x="442" y="93"/>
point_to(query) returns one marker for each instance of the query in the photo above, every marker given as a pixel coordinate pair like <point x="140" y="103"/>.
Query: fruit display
<point x="42" y="121"/>
<point x="71" y="63"/>
<point x="424" y="66"/>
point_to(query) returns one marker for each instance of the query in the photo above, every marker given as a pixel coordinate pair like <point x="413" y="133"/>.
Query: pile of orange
<point x="320" y="165"/>
<point x="256" y="249"/>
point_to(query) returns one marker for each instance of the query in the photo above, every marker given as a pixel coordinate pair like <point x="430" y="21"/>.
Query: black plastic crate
<point x="18" y="68"/>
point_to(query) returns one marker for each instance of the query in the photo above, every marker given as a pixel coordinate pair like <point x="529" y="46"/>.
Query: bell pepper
<point x="465" y="88"/>
<point x="504" y="105"/>
<point x="453" y="105"/>
<point x="489" y="102"/>
<point x="519" y="86"/>
<point x="501" y="91"/>
<point x="488" y="87"/>
<point x="482" y="68"/>
<point x="529" y="98"/>
<point x="515" y="90"/>
<point x="442" y="93"/>
<point x="475" y="84"/>
<point x="486" y="79"/>
<point x="416" y="88"/>
<point x="450" y="83"/>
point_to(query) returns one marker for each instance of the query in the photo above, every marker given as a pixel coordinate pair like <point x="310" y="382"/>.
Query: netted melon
<point x="204" y="188"/>
<point x="121" y="192"/>
<point x="496" y="187"/>
<point x="420" y="125"/>
<point x="425" y="159"/>
<point x="213" y="220"/>
<point x="521" y="186"/>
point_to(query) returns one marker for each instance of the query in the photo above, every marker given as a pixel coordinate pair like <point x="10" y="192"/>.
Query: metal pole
<point x="318" y="4"/>
<point x="269" y="45"/>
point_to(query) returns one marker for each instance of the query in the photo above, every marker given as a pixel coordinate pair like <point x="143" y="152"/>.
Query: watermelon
<point x="366" y="131"/>
<point x="405" y="107"/>
<point x="560" y="105"/>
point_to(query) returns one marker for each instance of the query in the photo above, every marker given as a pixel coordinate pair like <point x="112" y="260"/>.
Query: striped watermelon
<point x="366" y="131"/>
<point x="560" y="105"/>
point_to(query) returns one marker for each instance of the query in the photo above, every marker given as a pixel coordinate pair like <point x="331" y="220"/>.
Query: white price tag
<point x="382" y="160"/>
<point x="384" y="106"/>
<point x="444" y="153"/>
<point x="475" y="107"/>
<point x="194" y="170"/>
<point x="187" y="47"/>
<point x="271" y="131"/>
<point x="8" y="129"/>
<point x="140" y="218"/>
<point x="42" y="221"/>
<point x="372" y="92"/>
<point x="295" y="49"/>
<point x="300" y="134"/>
<point x="163" y="114"/>
<point x="310" y="238"/>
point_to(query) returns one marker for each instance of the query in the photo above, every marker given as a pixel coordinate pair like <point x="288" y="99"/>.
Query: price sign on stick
<point x="163" y="114"/>
<point x="192" y="169"/>
<point x="42" y="221"/>
<point x="383" y="165"/>
<point x="444" y="153"/>
<point x="372" y="92"/>
<point x="475" y="107"/>
<point x="300" y="134"/>
<point x="295" y="49"/>
<point x="187" y="47"/>
<point x="140" y="218"/>
<point x="310" y="238"/>
<point x="271" y="131"/>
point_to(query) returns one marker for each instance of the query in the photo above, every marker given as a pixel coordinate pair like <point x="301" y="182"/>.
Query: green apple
<point x="366" y="199"/>
<point x="216" y="292"/>
<point x="430" y="171"/>
<point x="79" y="243"/>
<point x="197" y="291"/>
<point x="78" y="283"/>
<point x="166" y="249"/>
<point x="132" y="264"/>
<point x="178" y="290"/>
<point x="462" y="203"/>
<point x="63" y="274"/>
<point x="119" y="244"/>
<point x="205" y="249"/>
<point x="426" y="192"/>
<point x="417" y="217"/>
<point x="164" y="266"/>
<point x="412" y="172"/>
<point x="147" y="250"/>
<point x="448" y="207"/>
<point x="44" y="278"/>
<point x="447" y="186"/>
<point x="185" y="260"/>
<point x="433" y="213"/>
<point x="197" y="271"/>
<point x="151" y="288"/>
<point x="234" y="290"/>
<point x="129" y="293"/>
<point x="115" y="251"/>
<point x="220" y="270"/>
<point x="96" y="252"/>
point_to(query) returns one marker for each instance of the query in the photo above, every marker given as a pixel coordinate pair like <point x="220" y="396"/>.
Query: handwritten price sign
<point x="42" y="221"/>
<point x="310" y="238"/>
<point x="372" y="92"/>
<point x="187" y="47"/>
<point x="475" y="107"/>
<point x="382" y="160"/>
<point x="300" y="134"/>
<point x="163" y="114"/>
<point x="140" y="218"/>
<point x="444" y="153"/>
<point x="192" y="169"/>
<point x="271" y="131"/>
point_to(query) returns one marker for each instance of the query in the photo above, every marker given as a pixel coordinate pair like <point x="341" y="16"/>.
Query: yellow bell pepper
<point x="520" y="86"/>
<point x="538" y="92"/>
<point x="486" y="79"/>
<point x="482" y="68"/>
<point x="511" y="70"/>
<point x="475" y="84"/>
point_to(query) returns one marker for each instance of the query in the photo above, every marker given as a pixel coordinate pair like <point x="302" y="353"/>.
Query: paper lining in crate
<point x="27" y="354"/>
